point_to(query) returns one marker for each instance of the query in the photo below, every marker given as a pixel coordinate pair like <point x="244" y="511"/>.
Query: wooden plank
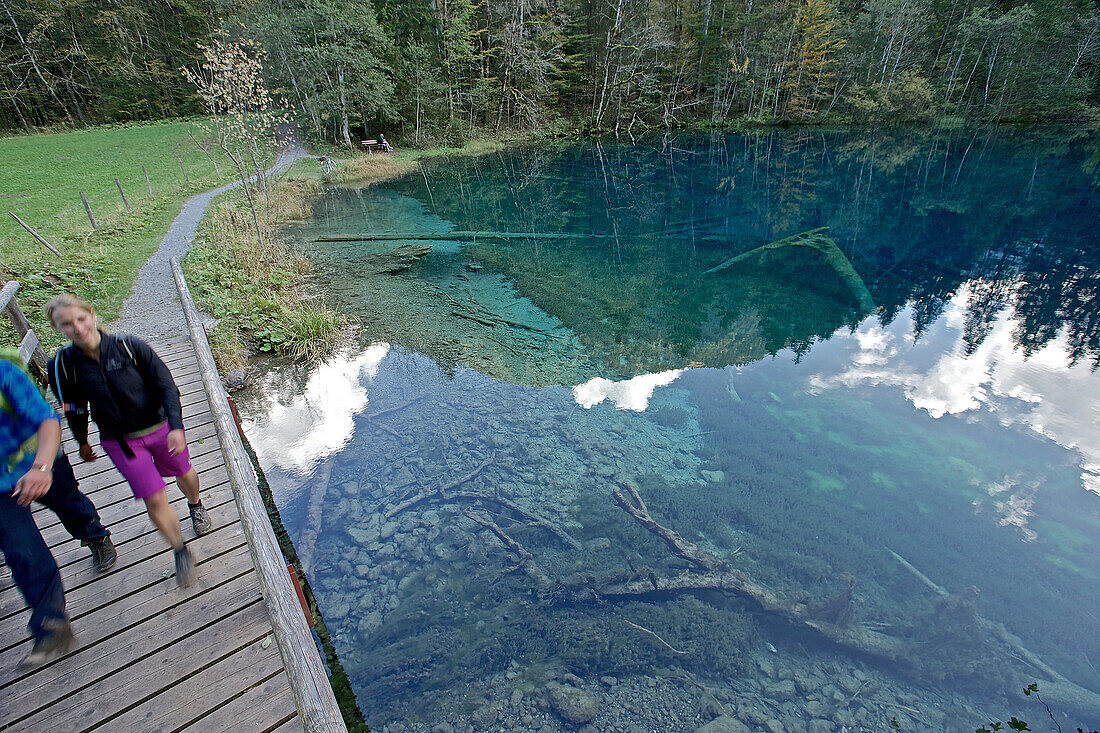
<point x="197" y="426"/>
<point x="28" y="345"/>
<point x="192" y="420"/>
<point x="308" y="679"/>
<point x="132" y="549"/>
<point x="71" y="447"/>
<point x="88" y="471"/>
<point x="75" y="559"/>
<point x="108" y="487"/>
<point x="117" y="494"/>
<point x="294" y="725"/>
<point x="65" y="549"/>
<point x="116" y="515"/>
<point x="98" y="658"/>
<point x="162" y="609"/>
<point x="174" y="348"/>
<point x="259" y="709"/>
<point x="210" y="689"/>
<point x="104" y="699"/>
<point x="205" y="456"/>
<point x="152" y="656"/>
<point x="131" y="580"/>
<point x="195" y="416"/>
<point x="169" y="340"/>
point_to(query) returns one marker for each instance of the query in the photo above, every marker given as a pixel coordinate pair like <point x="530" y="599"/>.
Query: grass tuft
<point x="314" y="330"/>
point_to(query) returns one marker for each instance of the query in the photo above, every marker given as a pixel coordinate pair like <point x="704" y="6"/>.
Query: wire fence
<point x="105" y="206"/>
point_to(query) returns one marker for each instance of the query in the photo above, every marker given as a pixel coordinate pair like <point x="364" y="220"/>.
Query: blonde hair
<point x="66" y="300"/>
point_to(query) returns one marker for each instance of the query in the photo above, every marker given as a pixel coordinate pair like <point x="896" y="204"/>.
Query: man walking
<point x="31" y="468"/>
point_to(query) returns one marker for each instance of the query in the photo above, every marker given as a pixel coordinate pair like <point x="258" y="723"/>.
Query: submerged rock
<point x="399" y="259"/>
<point x="572" y="704"/>
<point x="724" y="724"/>
<point x="484" y="716"/>
<point x="235" y="379"/>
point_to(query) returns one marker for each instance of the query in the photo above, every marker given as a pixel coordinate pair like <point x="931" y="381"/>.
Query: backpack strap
<point x="125" y="341"/>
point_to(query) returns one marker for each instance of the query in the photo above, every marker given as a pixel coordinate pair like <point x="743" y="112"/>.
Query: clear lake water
<point x="850" y="378"/>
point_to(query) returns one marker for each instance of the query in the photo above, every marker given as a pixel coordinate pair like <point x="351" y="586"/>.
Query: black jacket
<point x="129" y="388"/>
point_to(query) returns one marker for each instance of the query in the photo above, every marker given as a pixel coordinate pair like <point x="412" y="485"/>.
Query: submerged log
<point x="1057" y="689"/>
<point x="738" y="583"/>
<point x="399" y="259"/>
<point x="817" y="240"/>
<point x="307" y="545"/>
<point x="637" y="509"/>
<point x="836" y="627"/>
<point x="526" y="559"/>
<point x="438" y="493"/>
<point x="446" y="494"/>
<point x="455" y="235"/>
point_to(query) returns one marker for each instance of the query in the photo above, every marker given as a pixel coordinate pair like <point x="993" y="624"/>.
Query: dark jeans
<point x="76" y="511"/>
<point x="33" y="567"/>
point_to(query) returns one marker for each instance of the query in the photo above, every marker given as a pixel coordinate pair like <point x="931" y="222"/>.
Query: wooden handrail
<point x="7" y="295"/>
<point x="317" y="705"/>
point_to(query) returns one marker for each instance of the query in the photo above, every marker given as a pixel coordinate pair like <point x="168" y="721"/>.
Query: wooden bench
<point x="372" y="145"/>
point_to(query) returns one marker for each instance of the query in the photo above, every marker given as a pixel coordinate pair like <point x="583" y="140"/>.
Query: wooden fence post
<point x="35" y="234"/>
<point x="185" y="181"/>
<point x="148" y="186"/>
<point x="122" y="194"/>
<point x="88" y="209"/>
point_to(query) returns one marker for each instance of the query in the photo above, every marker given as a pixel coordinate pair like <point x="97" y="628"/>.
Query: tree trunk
<point x="345" y="128"/>
<point x="34" y="63"/>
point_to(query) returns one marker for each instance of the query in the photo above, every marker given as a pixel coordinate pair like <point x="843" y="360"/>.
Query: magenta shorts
<point x="151" y="462"/>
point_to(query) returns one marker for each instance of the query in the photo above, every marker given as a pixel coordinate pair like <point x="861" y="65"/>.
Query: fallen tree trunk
<point x="318" y="488"/>
<point x="817" y="240"/>
<point x="454" y="235"/>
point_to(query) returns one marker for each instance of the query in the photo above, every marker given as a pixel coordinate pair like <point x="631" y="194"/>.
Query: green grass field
<point x="41" y="178"/>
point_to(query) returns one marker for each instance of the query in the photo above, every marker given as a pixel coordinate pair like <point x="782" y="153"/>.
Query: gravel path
<point x="153" y="309"/>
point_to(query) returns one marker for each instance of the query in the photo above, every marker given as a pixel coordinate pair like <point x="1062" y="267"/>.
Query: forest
<point x="432" y="71"/>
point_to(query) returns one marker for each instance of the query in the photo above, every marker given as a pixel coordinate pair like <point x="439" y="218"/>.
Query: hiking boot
<point x="185" y="566"/>
<point x="103" y="553"/>
<point x="55" y="644"/>
<point x="200" y="520"/>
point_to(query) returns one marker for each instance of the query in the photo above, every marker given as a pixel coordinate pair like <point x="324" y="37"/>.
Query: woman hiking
<point x="136" y="404"/>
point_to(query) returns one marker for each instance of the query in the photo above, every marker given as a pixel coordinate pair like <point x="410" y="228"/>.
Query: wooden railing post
<point x="317" y="705"/>
<point x="29" y="348"/>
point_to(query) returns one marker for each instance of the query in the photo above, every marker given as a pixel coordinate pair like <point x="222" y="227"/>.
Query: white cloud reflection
<point x="320" y="419"/>
<point x="1042" y="391"/>
<point x="629" y="394"/>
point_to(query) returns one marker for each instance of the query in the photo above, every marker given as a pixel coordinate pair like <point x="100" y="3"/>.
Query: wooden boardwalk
<point x="152" y="656"/>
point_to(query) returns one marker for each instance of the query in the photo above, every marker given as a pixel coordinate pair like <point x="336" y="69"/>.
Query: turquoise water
<point x="856" y="376"/>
